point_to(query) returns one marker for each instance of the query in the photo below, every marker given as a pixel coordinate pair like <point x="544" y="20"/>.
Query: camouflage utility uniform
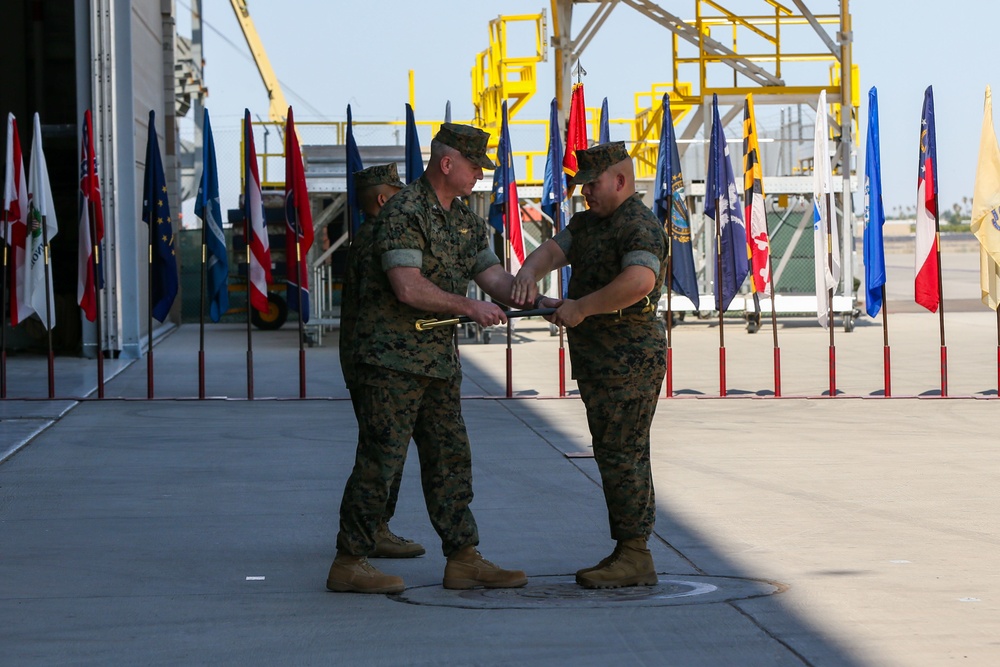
<point x="408" y="381"/>
<point x="360" y="255"/>
<point x="619" y="361"/>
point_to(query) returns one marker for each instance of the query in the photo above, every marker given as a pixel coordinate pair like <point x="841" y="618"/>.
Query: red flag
<point x="576" y="131"/>
<point x="89" y="280"/>
<point x="259" y="270"/>
<point x="298" y="223"/>
<point x="15" y="226"/>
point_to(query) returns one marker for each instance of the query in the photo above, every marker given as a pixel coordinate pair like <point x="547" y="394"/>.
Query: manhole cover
<point x="562" y="591"/>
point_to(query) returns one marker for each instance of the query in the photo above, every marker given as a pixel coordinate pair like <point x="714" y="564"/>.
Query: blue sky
<point x="332" y="53"/>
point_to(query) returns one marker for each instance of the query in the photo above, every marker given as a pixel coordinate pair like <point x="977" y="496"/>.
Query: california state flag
<point x="15" y="219"/>
<point x="42" y="228"/>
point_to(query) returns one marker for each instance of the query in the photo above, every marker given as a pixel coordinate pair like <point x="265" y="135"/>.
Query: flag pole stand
<point x="998" y="351"/>
<point x="669" y="379"/>
<point x="3" y="319"/>
<point x="49" y="314"/>
<point x="718" y="291"/>
<point x="944" y="347"/>
<point x="562" y="348"/>
<point x="829" y="316"/>
<point x="248" y="234"/>
<point x="201" y="304"/>
<point x="887" y="368"/>
<point x="507" y="251"/>
<point x="302" y="329"/>
<point x="98" y="278"/>
<point x="149" y="313"/>
<point x="774" y="330"/>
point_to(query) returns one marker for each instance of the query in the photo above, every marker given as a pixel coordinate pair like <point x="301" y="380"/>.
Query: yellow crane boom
<point x="278" y="109"/>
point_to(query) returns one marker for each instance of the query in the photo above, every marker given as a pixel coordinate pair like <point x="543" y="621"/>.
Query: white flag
<point x="822" y="192"/>
<point x="15" y="214"/>
<point x="40" y="212"/>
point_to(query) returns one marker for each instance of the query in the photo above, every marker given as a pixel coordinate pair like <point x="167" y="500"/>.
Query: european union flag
<point x="722" y="197"/>
<point x="874" y="250"/>
<point x="353" y="164"/>
<point x="207" y="207"/>
<point x="414" y="160"/>
<point x="668" y="201"/>
<point x="156" y="214"/>
<point x="554" y="185"/>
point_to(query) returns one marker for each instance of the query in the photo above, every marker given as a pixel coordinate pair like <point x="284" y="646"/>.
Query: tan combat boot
<point x="390" y="545"/>
<point x="467" y="568"/>
<point x="630" y="564"/>
<point x="354" y="574"/>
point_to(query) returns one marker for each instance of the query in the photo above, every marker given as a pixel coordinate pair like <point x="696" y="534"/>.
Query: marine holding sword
<point x="428" y="245"/>
<point x="618" y="253"/>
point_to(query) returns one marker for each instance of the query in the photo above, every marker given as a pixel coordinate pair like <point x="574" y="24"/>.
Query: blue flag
<point x="874" y="214"/>
<point x="207" y="207"/>
<point x="668" y="202"/>
<point x="722" y="197"/>
<point x="353" y="164"/>
<point x="554" y="185"/>
<point x="414" y="163"/>
<point x="604" y="130"/>
<point x="156" y="214"/>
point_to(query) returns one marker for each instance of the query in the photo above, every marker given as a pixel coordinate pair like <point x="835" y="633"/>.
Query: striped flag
<point x="90" y="268"/>
<point x="925" y="283"/>
<point x="259" y="269"/>
<point x="43" y="227"/>
<point x="298" y="223"/>
<point x="758" y="244"/>
<point x="15" y="226"/>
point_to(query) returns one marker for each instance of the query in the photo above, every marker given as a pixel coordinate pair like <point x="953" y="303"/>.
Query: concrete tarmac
<point x="809" y="531"/>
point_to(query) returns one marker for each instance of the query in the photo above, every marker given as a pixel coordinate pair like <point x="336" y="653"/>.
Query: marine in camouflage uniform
<point x="374" y="186"/>
<point x="407" y="381"/>
<point x="618" y="358"/>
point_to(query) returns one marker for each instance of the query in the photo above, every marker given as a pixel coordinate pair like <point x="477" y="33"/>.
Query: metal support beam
<point x="809" y="16"/>
<point x="686" y="31"/>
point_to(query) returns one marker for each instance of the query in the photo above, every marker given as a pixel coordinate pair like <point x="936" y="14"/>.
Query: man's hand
<point x="524" y="289"/>
<point x="485" y="313"/>
<point x="568" y="314"/>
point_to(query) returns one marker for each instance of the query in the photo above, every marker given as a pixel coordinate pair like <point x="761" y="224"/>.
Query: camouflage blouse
<point x="450" y="248"/>
<point x="599" y="249"/>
